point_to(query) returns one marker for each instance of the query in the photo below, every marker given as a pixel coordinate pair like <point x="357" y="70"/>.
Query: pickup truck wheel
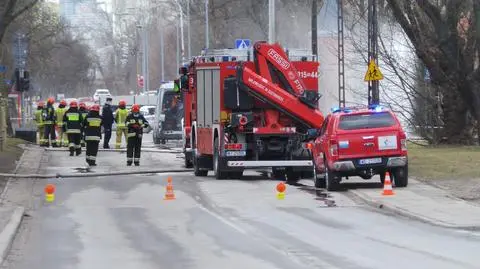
<point x="318" y="181"/>
<point x="216" y="162"/>
<point x="400" y="176"/>
<point x="332" y="180"/>
<point x="278" y="174"/>
<point x="196" y="170"/>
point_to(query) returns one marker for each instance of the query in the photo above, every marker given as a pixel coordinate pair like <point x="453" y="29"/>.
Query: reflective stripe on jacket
<point x="93" y="126"/>
<point x="73" y="121"/>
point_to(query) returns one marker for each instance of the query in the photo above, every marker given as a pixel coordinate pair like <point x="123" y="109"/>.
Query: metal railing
<point x="226" y="55"/>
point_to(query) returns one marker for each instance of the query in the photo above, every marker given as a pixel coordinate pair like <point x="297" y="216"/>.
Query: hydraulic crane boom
<point x="282" y="100"/>
<point x="272" y="63"/>
<point x="266" y="85"/>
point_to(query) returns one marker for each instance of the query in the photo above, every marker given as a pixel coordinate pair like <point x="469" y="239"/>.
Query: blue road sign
<point x="242" y="43"/>
<point x="8" y="82"/>
<point x="3" y="69"/>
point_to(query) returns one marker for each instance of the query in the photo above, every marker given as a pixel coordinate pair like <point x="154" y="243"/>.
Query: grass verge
<point x="444" y="162"/>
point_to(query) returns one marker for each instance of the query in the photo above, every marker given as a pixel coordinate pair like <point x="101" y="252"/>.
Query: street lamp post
<point x="181" y="31"/>
<point x="207" y="42"/>
<point x="188" y="25"/>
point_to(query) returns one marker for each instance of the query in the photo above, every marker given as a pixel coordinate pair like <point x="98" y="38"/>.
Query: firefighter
<point x="120" y="116"/>
<point x="59" y="113"/>
<point x="73" y="128"/>
<point x="48" y="116"/>
<point x="84" y="111"/>
<point x="92" y="125"/>
<point x="39" y="121"/>
<point x="108" y="118"/>
<point x="135" y="123"/>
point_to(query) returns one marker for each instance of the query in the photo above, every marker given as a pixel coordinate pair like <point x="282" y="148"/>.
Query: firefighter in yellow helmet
<point x="120" y="116"/>
<point x="39" y="121"/>
<point x="59" y="113"/>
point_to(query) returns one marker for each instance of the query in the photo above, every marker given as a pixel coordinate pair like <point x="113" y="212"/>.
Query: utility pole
<point x="162" y="52"/>
<point x="189" y="37"/>
<point x="341" y="55"/>
<point x="271" y="21"/>
<point x="373" y="86"/>
<point x="314" y="28"/>
<point x="207" y="41"/>
<point x="178" y="47"/>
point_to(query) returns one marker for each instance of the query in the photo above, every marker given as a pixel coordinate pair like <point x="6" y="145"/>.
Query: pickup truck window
<point x="366" y="121"/>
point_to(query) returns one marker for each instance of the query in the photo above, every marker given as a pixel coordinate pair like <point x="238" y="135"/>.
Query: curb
<point x="8" y="234"/>
<point x="379" y="206"/>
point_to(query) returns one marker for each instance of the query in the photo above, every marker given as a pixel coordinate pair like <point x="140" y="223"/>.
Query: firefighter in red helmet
<point x="48" y="115"/>
<point x="135" y="123"/>
<point x="92" y="125"/>
<point x="73" y="127"/>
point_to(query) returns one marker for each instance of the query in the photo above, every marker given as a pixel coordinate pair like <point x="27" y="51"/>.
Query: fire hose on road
<point x="124" y="150"/>
<point x="87" y="173"/>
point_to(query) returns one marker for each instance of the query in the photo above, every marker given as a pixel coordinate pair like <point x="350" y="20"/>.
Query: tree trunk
<point x="455" y="116"/>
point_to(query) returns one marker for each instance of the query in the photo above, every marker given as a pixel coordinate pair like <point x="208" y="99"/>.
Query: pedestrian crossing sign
<point x="373" y="73"/>
<point x="242" y="43"/>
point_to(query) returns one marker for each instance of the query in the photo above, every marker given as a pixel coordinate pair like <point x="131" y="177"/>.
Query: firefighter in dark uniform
<point x="92" y="126"/>
<point x="49" y="124"/>
<point x="108" y="119"/>
<point x="135" y="123"/>
<point x="84" y="111"/>
<point x="73" y="127"/>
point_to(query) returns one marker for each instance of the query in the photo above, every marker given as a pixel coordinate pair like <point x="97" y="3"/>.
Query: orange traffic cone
<point x="169" y="195"/>
<point x="387" y="185"/>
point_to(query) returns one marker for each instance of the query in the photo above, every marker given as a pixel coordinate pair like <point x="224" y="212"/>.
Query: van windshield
<point x="366" y="121"/>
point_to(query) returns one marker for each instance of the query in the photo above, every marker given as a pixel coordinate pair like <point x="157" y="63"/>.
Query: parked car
<point x="359" y="142"/>
<point x="149" y="114"/>
<point x="101" y="94"/>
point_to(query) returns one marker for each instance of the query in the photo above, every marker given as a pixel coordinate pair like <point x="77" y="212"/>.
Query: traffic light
<point x="25" y="85"/>
<point x="22" y="80"/>
<point x="184" y="82"/>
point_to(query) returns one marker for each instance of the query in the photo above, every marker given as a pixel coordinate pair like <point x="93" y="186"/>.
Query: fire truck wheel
<point x="216" y="162"/>
<point x="278" y="174"/>
<point x="196" y="170"/>
<point x="292" y="176"/>
<point x="235" y="175"/>
<point x="188" y="163"/>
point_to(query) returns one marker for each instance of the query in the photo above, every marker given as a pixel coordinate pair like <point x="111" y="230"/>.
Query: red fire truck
<point x="250" y="109"/>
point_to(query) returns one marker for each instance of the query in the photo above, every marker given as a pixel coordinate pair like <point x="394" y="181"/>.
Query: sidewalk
<point x="14" y="200"/>
<point x="425" y="203"/>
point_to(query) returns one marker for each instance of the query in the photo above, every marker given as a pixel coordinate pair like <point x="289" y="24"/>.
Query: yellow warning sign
<point x="373" y="72"/>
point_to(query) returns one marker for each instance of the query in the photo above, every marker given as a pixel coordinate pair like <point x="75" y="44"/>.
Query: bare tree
<point x="445" y="37"/>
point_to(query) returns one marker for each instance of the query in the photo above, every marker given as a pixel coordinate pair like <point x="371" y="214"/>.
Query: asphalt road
<point x="123" y="222"/>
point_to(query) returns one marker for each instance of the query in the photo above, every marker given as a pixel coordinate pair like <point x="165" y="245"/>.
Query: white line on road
<point x="222" y="219"/>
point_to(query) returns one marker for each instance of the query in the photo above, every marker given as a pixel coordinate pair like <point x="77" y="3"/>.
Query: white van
<point x="167" y="124"/>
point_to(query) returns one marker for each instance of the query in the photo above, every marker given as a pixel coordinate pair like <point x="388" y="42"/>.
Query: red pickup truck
<point x="359" y="141"/>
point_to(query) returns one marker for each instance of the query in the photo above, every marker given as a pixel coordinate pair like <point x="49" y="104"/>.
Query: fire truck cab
<point x="250" y="109"/>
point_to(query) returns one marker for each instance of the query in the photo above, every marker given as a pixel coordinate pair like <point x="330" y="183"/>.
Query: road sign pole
<point x="271" y="21"/>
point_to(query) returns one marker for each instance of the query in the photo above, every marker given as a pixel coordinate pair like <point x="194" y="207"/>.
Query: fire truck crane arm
<point x="266" y="91"/>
